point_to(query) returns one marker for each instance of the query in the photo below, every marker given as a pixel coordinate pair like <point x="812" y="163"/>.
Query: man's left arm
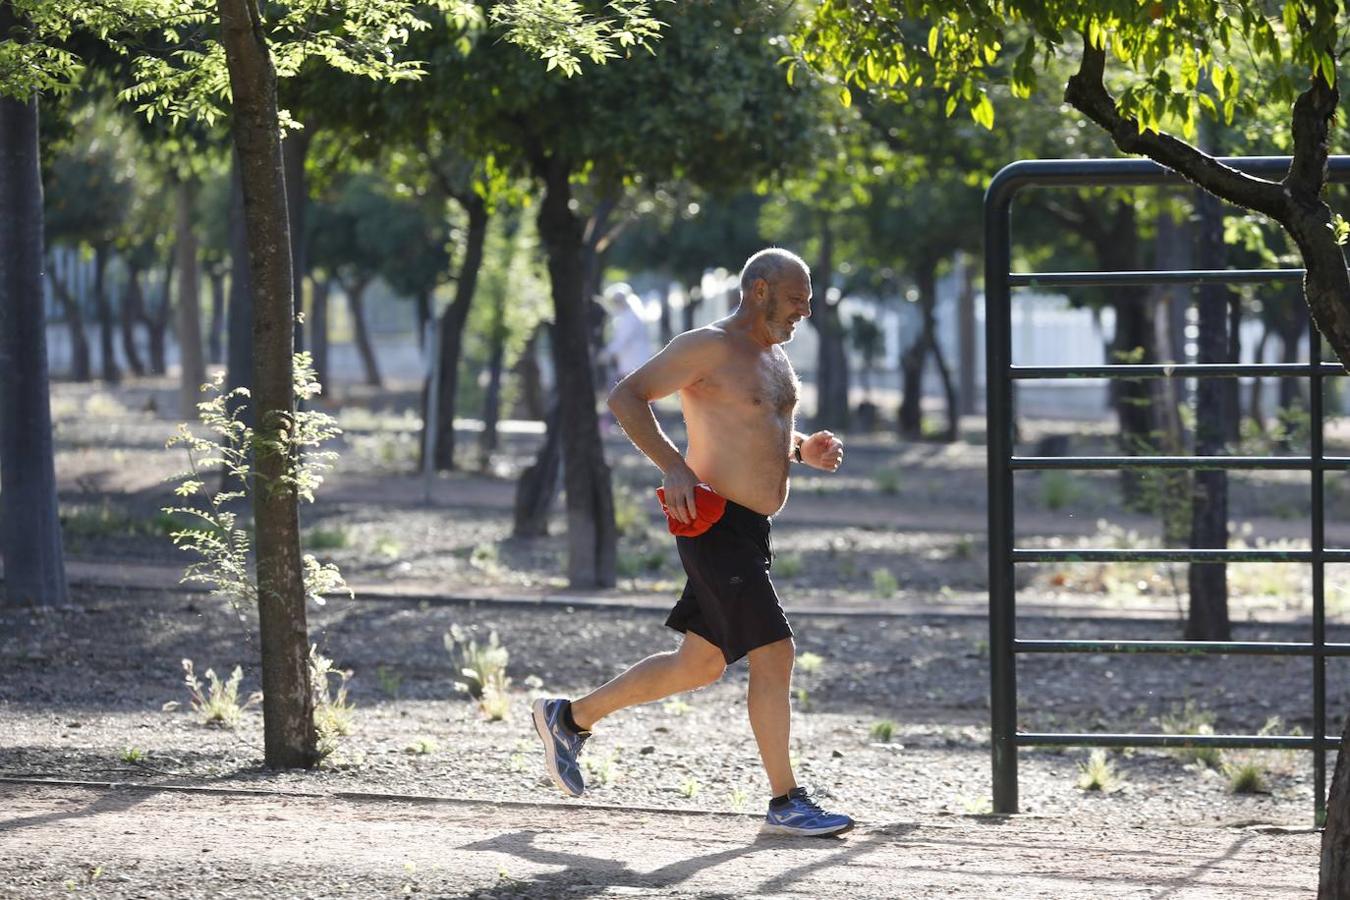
<point x="821" y="450"/>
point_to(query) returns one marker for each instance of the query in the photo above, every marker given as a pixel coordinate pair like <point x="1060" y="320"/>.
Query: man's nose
<point x="806" y="310"/>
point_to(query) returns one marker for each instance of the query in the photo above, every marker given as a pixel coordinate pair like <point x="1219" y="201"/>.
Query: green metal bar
<point x="1160" y="276"/>
<point x="1001" y="376"/>
<point x="1235" y="741"/>
<point x="1112" y="554"/>
<point x="1000" y="424"/>
<point x="1235" y="648"/>
<point x="1176" y="370"/>
<point x="1179" y="462"/>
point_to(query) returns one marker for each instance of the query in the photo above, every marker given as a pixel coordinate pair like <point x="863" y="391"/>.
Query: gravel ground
<point x="85" y="686"/>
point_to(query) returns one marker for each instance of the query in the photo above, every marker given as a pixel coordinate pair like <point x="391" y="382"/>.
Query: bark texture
<point x="452" y="331"/>
<point x="30" y="527"/>
<point x="80" y="367"/>
<point x="356" y="294"/>
<point x="1207" y="614"/>
<point x="591" y="533"/>
<point x="192" y="365"/>
<point x="111" y="372"/>
<point x="832" y="410"/>
<point x="288" y="705"/>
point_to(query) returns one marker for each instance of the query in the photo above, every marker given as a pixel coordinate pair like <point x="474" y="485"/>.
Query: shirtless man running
<point x="739" y="396"/>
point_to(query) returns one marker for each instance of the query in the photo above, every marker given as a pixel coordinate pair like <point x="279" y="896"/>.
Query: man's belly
<point x="755" y="480"/>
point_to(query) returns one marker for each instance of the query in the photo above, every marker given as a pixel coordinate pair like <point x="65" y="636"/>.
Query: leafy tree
<point x="1169" y="53"/>
<point x="30" y="526"/>
<point x="709" y="106"/>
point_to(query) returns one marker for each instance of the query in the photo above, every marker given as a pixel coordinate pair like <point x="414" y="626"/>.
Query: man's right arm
<point x="682" y="363"/>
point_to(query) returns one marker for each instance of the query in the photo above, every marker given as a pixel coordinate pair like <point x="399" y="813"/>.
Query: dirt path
<point x="113" y="842"/>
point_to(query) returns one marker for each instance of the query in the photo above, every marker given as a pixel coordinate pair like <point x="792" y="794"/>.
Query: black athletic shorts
<point x="729" y="600"/>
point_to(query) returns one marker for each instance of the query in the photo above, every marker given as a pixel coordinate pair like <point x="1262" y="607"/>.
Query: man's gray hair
<point x="769" y="264"/>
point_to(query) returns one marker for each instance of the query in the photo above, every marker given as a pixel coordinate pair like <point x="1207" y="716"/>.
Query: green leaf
<point x="933" y="41"/>
<point x="845" y="96"/>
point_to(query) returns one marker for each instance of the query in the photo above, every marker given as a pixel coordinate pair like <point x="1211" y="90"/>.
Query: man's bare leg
<point x="770" y="713"/>
<point x="695" y="664"/>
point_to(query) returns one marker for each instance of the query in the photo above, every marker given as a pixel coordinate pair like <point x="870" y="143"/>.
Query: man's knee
<point x="776" y="657"/>
<point x="704" y="670"/>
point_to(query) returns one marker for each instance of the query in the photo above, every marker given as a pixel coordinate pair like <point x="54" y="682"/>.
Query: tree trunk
<point x="214" y="342"/>
<point x="966" y="327"/>
<point x="356" y="303"/>
<point x="1171" y="252"/>
<point x="30" y="526"/>
<point x="1334" y="877"/>
<point x="112" y="374"/>
<point x="80" y="367"/>
<point x="909" y="422"/>
<point x="948" y="389"/>
<point x="192" y="367"/>
<point x="666" y="330"/>
<point x="538" y="483"/>
<point x="452" y="333"/>
<point x="531" y="379"/>
<point x="239" y="365"/>
<point x="294" y="150"/>
<point x="1233" y="386"/>
<point x="157" y="319"/>
<point x="1133" y="342"/>
<point x="1207" y="618"/>
<point x="128" y="313"/>
<point x="318" y="327"/>
<point x="492" y="397"/>
<point x="591" y="534"/>
<point x="832" y="410"/>
<point x="288" y="703"/>
<point x="1256" y="405"/>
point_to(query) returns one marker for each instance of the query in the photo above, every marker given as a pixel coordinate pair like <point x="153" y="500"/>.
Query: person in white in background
<point x="630" y="343"/>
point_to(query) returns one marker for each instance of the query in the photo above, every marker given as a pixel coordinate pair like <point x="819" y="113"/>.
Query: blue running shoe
<point x="562" y="746"/>
<point x="801" y="816"/>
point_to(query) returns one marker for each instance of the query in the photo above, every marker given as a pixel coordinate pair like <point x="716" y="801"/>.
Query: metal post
<point x="998" y="403"/>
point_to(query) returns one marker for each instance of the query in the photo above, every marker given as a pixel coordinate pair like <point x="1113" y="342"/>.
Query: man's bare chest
<point x="760" y="384"/>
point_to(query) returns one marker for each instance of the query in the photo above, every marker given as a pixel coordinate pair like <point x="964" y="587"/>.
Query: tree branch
<point x="1087" y="93"/>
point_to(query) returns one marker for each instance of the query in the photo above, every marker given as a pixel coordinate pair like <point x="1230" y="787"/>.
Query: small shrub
<point x="809" y="663"/>
<point x="388" y="547"/>
<point x="1098" y="774"/>
<point x="602" y="771"/>
<point x="218" y="704"/>
<point x="334" y="714"/>
<point x="1058" y="489"/>
<point x="689" y="788"/>
<point x="133" y="755"/>
<point x="887" y="480"/>
<point x="484" y="671"/>
<point x="422" y="746"/>
<point x="676" y="707"/>
<point x="630" y="516"/>
<point x="327" y="538"/>
<point x="388" y="680"/>
<point x="1189" y="719"/>
<point x="1245" y="778"/>
<point x="738" y="799"/>
<point x="803" y="699"/>
<point x="964" y="548"/>
<point x="484" y="556"/>
<point x="884" y="583"/>
<point x="789" y="565"/>
<point x="883" y="731"/>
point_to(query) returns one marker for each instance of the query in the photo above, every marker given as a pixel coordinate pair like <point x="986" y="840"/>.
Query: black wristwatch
<point x="797" y="451"/>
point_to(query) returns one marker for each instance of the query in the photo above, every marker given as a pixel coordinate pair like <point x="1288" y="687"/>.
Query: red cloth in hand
<point x="708" y="508"/>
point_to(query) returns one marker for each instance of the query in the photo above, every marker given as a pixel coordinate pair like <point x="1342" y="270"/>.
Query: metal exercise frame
<point x="1000" y="375"/>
